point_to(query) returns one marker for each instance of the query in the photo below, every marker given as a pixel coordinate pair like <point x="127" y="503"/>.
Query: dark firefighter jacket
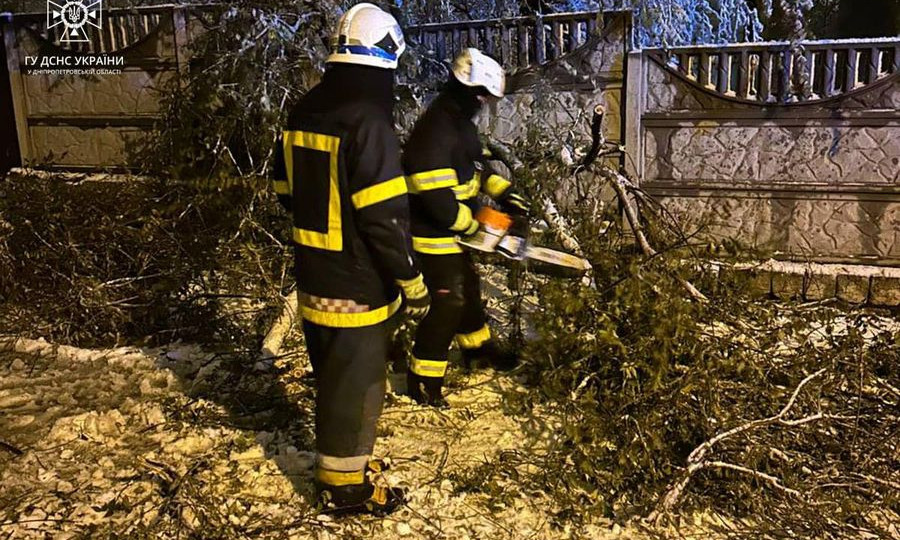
<point x="445" y="170"/>
<point x="338" y="173"/>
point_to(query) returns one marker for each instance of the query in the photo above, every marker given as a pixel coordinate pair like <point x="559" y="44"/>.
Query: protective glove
<point x="471" y="229"/>
<point x="514" y="204"/>
<point x="418" y="301"/>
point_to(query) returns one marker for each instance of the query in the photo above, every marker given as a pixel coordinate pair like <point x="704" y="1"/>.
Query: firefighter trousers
<point x="349" y="365"/>
<point x="456" y="312"/>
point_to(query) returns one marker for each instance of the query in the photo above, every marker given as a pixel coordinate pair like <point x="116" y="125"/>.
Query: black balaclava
<point x="354" y="82"/>
<point x="466" y="97"/>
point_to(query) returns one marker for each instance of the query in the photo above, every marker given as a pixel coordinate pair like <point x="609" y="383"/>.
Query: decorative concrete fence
<point x="775" y="73"/>
<point x="794" y="152"/>
<point x="799" y="173"/>
<point x="90" y="121"/>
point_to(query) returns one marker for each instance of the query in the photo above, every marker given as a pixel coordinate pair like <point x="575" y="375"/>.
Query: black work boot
<point x="426" y="390"/>
<point x="365" y="498"/>
<point x="490" y="355"/>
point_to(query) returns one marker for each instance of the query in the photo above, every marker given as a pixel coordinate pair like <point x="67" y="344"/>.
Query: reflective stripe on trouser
<point x="455" y="307"/>
<point x="428" y="368"/>
<point x="474" y="340"/>
<point x="349" y="366"/>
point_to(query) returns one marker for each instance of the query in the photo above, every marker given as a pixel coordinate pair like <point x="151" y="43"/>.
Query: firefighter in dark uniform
<point x="343" y="183"/>
<point x="445" y="171"/>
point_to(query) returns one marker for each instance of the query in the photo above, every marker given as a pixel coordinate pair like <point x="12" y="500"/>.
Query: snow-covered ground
<point x="174" y="441"/>
<point x="188" y="442"/>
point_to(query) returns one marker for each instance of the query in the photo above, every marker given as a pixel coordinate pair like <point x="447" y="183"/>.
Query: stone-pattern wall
<point x="76" y="147"/>
<point x="722" y="152"/>
<point x="131" y="93"/>
<point x="813" y="181"/>
<point x="802" y="227"/>
<point x="559" y="97"/>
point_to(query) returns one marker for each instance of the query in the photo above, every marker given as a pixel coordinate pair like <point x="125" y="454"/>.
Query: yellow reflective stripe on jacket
<point x="463" y="219"/>
<point x="475" y="339"/>
<point x="495" y="185"/>
<point x="282" y="187"/>
<point x="350" y="320"/>
<point x="436" y="246"/>
<point x="379" y="192"/>
<point x="340" y="478"/>
<point x="428" y="368"/>
<point x="332" y="240"/>
<point x="429" y="180"/>
<point x="469" y="189"/>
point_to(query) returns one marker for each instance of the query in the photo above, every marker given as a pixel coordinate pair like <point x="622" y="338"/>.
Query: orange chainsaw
<point x="508" y="235"/>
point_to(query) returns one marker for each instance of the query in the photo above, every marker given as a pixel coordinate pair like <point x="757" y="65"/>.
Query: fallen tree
<point x="780" y="420"/>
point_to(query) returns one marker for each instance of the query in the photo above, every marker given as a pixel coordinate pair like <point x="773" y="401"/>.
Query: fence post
<point x="441" y="46"/>
<point x="743" y="85"/>
<point x="724" y="80"/>
<point x="555" y="40"/>
<point x="874" y="65"/>
<point x="765" y="76"/>
<point x="489" y="40"/>
<point x="574" y="34"/>
<point x="633" y="93"/>
<point x="787" y="62"/>
<point x="808" y="76"/>
<point x="179" y="23"/>
<point x="850" y="77"/>
<point x="504" y="44"/>
<point x="703" y="75"/>
<point x="17" y="86"/>
<point x="540" y="45"/>
<point x="522" y="46"/>
<point x="828" y="86"/>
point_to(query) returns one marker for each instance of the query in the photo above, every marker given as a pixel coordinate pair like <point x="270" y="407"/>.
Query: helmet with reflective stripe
<point x="368" y="36"/>
<point x="476" y="69"/>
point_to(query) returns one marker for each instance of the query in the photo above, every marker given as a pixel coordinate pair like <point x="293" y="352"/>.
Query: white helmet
<point x="368" y="36"/>
<point x="474" y="68"/>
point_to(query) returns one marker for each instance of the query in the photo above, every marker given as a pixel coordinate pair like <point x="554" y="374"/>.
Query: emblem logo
<point x="76" y="16"/>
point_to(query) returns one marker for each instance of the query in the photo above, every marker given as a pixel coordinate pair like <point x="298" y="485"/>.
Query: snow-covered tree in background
<point x="670" y="23"/>
<point x="795" y="12"/>
<point x="666" y="23"/>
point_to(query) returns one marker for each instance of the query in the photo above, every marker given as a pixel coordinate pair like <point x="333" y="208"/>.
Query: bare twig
<point x="696" y="462"/>
<point x="775" y="482"/>
<point x="10" y="448"/>
<point x="880" y="481"/>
